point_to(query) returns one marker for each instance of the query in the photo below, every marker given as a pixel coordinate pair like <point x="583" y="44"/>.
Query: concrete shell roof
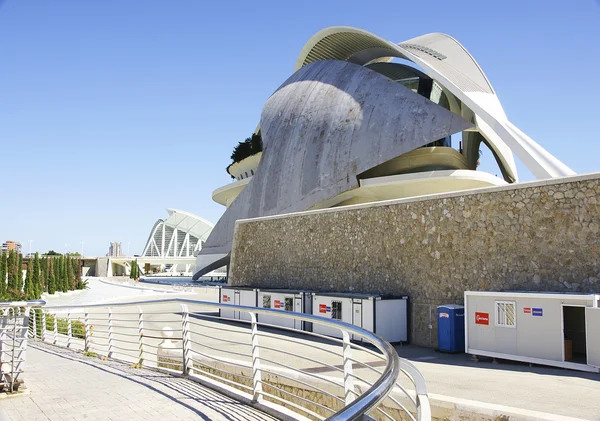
<point x="362" y="47"/>
<point x="188" y="222"/>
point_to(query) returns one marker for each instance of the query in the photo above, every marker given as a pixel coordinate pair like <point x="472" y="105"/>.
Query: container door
<point x="592" y="327"/>
<point x="236" y="301"/>
<point x="298" y="309"/>
<point x="357" y="316"/>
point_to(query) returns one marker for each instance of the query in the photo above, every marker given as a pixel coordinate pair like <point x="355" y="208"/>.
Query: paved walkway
<point x="65" y="385"/>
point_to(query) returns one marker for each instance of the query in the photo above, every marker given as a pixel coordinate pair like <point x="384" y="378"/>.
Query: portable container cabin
<point x="555" y="329"/>
<point x="385" y="316"/>
<point x="238" y="296"/>
<point x="285" y="300"/>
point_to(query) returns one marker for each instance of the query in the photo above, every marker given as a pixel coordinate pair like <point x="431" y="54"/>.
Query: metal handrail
<point x="356" y="406"/>
<point x="13" y="347"/>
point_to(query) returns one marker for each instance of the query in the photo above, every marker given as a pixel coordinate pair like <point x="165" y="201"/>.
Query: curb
<point x="455" y="409"/>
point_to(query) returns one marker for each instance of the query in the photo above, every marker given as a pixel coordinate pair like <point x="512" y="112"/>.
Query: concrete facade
<point x="539" y="236"/>
<point x="329" y="122"/>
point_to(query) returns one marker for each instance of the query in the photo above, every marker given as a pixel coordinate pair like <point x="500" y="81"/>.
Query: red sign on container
<point x="224" y="298"/>
<point x="322" y="308"/>
<point x="277" y="304"/>
<point x="527" y="310"/>
<point x="482" y="318"/>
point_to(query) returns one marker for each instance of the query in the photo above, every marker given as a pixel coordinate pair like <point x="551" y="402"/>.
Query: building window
<point x="336" y="310"/>
<point x="289" y="304"/>
<point x="266" y="301"/>
<point x="506" y="314"/>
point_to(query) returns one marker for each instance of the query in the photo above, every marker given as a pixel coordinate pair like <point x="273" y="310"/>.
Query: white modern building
<point x="438" y="67"/>
<point x="417" y="96"/>
<point x="174" y="242"/>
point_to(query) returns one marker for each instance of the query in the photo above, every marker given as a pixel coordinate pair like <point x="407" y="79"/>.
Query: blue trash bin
<point x="451" y="328"/>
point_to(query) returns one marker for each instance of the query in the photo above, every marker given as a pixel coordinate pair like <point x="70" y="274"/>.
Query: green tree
<point x="133" y="273"/>
<point x="44" y="273"/>
<point x="57" y="269"/>
<point x="250" y="146"/>
<point x="51" y="253"/>
<point x="3" y="273"/>
<point x="19" y="281"/>
<point x="70" y="275"/>
<point x="64" y="281"/>
<point x="78" y="274"/>
<point x="11" y="271"/>
<point x="51" y="278"/>
<point x="35" y="277"/>
<point x="29" y="291"/>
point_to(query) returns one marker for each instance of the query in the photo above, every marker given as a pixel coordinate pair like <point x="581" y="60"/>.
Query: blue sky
<point x="112" y="111"/>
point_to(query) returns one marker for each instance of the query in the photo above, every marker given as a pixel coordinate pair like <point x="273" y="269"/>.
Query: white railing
<point x="312" y="375"/>
<point x="14" y="319"/>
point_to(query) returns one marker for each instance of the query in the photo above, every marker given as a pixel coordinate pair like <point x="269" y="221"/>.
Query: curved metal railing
<point x="13" y="341"/>
<point x="313" y="375"/>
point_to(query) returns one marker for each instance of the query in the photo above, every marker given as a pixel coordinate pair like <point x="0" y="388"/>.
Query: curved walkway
<point x="66" y="385"/>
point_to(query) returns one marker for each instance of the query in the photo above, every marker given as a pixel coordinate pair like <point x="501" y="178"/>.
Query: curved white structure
<point x="352" y="126"/>
<point x="181" y="235"/>
<point x="449" y="64"/>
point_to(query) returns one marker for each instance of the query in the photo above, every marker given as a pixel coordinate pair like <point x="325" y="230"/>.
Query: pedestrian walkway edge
<point x="455" y="409"/>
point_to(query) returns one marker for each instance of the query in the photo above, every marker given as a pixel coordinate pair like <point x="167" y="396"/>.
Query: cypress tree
<point x="44" y="274"/>
<point x="78" y="274"/>
<point x="65" y="273"/>
<point x="35" y="277"/>
<point x="71" y="277"/>
<point x="11" y="271"/>
<point x="56" y="269"/>
<point x="20" y="273"/>
<point x="51" y="278"/>
<point x="28" y="289"/>
<point x="3" y="268"/>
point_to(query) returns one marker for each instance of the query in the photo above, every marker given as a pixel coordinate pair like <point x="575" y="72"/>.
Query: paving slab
<point x="66" y="385"/>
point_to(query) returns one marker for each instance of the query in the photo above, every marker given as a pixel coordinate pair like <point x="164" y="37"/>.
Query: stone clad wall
<point x="540" y="236"/>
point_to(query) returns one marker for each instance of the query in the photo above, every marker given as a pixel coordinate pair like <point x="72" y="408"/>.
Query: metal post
<point x="43" y="325"/>
<point x="87" y="331"/>
<point x="23" y="345"/>
<point x="12" y="362"/>
<point x="256" y="371"/>
<point x="141" y="335"/>
<point x="348" y="378"/>
<point x="187" y="344"/>
<point x="69" y="330"/>
<point x="34" y="323"/>
<point x="110" y="333"/>
<point x="55" y="328"/>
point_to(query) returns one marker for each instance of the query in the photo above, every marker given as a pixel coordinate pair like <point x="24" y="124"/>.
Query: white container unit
<point x="285" y="300"/>
<point x="556" y="329"/>
<point x="238" y="296"/>
<point x="385" y="316"/>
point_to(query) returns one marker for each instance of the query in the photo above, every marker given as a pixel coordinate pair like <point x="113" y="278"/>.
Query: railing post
<point x="141" y="335"/>
<point x="55" y="328"/>
<point x="44" y="325"/>
<point x="12" y="358"/>
<point x="34" y="323"/>
<point x="256" y="371"/>
<point x="348" y="377"/>
<point x="87" y="331"/>
<point x="110" y="333"/>
<point x="69" y="330"/>
<point x="187" y="344"/>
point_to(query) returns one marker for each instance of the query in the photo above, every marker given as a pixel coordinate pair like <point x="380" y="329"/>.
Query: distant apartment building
<point x="9" y="245"/>
<point x="114" y="249"/>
